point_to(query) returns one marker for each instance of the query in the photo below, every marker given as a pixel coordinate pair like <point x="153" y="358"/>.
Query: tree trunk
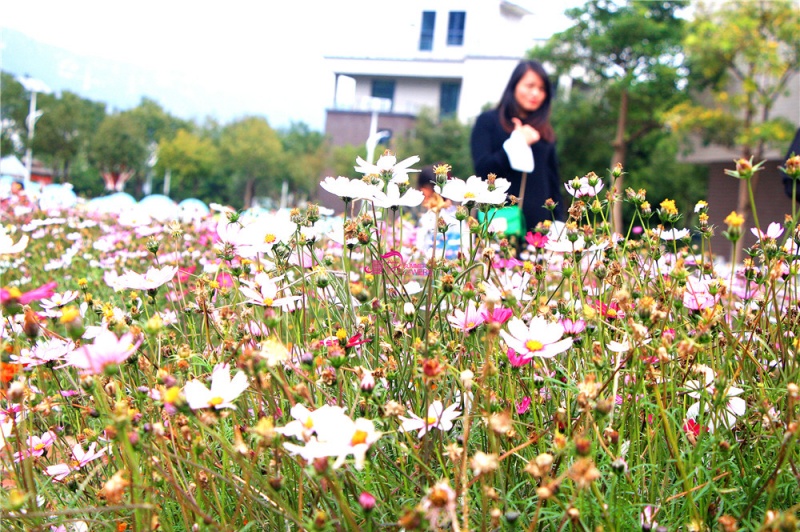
<point x="249" y="192"/>
<point x="620" y="149"/>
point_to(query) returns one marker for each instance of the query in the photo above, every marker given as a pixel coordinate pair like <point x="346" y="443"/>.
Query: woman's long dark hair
<point x="508" y="107"/>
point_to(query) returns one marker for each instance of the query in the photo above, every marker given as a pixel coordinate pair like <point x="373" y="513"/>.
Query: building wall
<point x="352" y="127"/>
<point x="772" y="204"/>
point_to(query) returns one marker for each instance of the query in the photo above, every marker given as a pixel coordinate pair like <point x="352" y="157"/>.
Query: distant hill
<point x="119" y="85"/>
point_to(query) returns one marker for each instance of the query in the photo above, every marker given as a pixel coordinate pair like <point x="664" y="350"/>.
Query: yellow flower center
<point x="38" y="447"/>
<point x="611" y="313"/>
<point x="431" y="420"/>
<point x="359" y="437"/>
<point x="70" y="314"/>
<point x="469" y="195"/>
<point x="214" y="401"/>
<point x="270" y="239"/>
<point x="309" y="423"/>
<point x="534" y="345"/>
<point x="268" y="301"/>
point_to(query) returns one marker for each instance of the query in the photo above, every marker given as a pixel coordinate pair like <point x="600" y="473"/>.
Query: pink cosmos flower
<point x="37" y="445"/>
<point x="524" y="405"/>
<point x="498" y="315"/>
<point x="79" y="459"/>
<point x="13" y="295"/>
<point x="438" y="417"/>
<point x="774" y="231"/>
<point x="537" y="240"/>
<point x="572" y="327"/>
<point x="107" y="350"/>
<point x="466" y="320"/>
<point x="224" y="389"/>
<point x="539" y="339"/>
<point x="696" y="296"/>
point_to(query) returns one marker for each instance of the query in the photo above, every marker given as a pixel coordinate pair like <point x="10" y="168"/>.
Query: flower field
<point x="371" y="371"/>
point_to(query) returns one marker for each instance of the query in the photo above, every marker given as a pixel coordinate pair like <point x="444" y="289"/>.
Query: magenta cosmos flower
<point x="539" y="339"/>
<point x="107" y="350"/>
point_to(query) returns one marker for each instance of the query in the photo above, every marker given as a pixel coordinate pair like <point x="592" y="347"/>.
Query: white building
<point x="451" y="56"/>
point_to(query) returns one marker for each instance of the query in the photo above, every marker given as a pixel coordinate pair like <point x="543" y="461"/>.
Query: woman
<point x="504" y="135"/>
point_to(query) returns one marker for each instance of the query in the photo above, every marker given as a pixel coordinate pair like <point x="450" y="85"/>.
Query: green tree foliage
<point x="741" y="56"/>
<point x="156" y="122"/>
<point x="439" y="140"/>
<point x="191" y="159"/>
<point x="252" y="154"/>
<point x="628" y="52"/>
<point x="583" y="126"/>
<point x="341" y="159"/>
<point x="13" y="110"/>
<point x="304" y="157"/>
<point x="65" y="128"/>
<point x="118" y="148"/>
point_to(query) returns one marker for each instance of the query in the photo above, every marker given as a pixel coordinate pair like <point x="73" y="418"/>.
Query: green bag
<point x="512" y="214"/>
<point x="515" y="220"/>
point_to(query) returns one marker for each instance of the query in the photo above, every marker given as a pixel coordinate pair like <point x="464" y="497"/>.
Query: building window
<point x="426" y="33"/>
<point x="383" y="88"/>
<point x="455" y="28"/>
<point x="448" y="98"/>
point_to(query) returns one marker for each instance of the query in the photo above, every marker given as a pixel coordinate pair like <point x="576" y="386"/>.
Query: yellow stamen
<point x="270" y="239"/>
<point x="309" y="423"/>
<point x="534" y="345"/>
<point x="431" y="420"/>
<point x="214" y="401"/>
<point x="268" y="301"/>
<point x="359" y="437"/>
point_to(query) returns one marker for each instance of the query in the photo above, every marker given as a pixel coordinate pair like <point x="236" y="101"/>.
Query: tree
<point x="119" y="150"/>
<point x="741" y="58"/>
<point x="13" y="110"/>
<point x="631" y="54"/>
<point x="65" y="128"/>
<point x="191" y="159"/>
<point x="304" y="157"/>
<point x="252" y="154"/>
<point x="156" y="123"/>
<point x="437" y="140"/>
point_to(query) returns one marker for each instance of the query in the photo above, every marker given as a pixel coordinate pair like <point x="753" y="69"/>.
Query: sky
<point x="225" y="60"/>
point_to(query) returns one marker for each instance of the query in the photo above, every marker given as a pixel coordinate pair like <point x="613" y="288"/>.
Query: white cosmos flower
<point x="349" y="189"/>
<point x="580" y="187"/>
<point x="224" y="389"/>
<point x="392" y="198"/>
<point x="437" y="417"/>
<point x="152" y="279"/>
<point x="7" y="245"/>
<point x="387" y="164"/>
<point x="334" y="435"/>
<point x="735" y="407"/>
<point x="673" y="234"/>
<point x="473" y="190"/>
<point x="539" y="339"/>
<point x="264" y="292"/>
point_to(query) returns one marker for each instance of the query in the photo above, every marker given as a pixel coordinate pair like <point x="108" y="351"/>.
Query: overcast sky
<point x="256" y="57"/>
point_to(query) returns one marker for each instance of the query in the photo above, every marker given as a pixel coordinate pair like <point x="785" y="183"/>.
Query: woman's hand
<point x="530" y="134"/>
